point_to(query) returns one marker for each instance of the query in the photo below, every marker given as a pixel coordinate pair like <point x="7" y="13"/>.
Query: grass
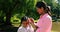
<point x="56" y="27"/>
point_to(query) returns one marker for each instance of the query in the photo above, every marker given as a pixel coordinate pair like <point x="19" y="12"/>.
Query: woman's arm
<point x="31" y="20"/>
<point x="34" y="26"/>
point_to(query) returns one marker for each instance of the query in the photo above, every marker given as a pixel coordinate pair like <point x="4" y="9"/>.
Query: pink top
<point x="44" y="23"/>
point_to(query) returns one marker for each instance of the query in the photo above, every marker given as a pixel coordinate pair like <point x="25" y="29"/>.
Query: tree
<point x="7" y="6"/>
<point x="11" y="7"/>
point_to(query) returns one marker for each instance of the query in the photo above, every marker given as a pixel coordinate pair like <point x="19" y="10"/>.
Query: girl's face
<point x="25" y="23"/>
<point x="40" y="10"/>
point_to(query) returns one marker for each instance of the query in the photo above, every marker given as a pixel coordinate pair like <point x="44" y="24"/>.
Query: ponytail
<point x="48" y="9"/>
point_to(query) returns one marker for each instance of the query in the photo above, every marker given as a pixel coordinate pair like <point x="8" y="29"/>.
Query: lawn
<point x="56" y="27"/>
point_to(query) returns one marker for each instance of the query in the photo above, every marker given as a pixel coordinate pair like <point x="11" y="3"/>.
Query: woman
<point x="44" y="23"/>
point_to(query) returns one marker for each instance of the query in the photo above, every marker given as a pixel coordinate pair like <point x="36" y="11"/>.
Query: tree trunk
<point x="8" y="17"/>
<point x="1" y="19"/>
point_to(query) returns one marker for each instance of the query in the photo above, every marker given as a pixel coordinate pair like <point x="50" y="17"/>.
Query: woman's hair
<point x="48" y="9"/>
<point x="41" y="4"/>
<point x="44" y="5"/>
<point x="25" y="18"/>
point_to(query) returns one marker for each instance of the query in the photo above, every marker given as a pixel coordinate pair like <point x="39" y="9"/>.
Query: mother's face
<point x="40" y="10"/>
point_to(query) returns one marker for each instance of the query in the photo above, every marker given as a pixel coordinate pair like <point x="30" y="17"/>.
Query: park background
<point x="11" y="11"/>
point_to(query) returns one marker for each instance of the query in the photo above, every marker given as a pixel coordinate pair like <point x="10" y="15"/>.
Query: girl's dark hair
<point x="25" y="18"/>
<point x="44" y="5"/>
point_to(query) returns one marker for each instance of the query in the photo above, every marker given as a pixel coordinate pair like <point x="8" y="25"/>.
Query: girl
<point x="44" y="23"/>
<point x="25" y="26"/>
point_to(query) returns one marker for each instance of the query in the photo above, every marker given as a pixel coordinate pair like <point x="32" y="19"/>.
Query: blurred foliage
<point x="11" y="9"/>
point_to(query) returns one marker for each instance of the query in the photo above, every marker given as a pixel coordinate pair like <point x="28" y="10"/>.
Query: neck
<point x="24" y="27"/>
<point x="43" y="13"/>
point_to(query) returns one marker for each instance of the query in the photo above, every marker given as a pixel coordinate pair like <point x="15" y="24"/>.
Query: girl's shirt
<point x="27" y="29"/>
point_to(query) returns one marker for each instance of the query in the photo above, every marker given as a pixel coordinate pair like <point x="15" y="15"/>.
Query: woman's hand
<point x="31" y="20"/>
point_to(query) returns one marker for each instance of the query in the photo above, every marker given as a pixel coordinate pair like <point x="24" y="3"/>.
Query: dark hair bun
<point x="25" y="18"/>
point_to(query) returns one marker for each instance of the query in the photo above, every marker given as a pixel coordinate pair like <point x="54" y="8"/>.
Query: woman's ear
<point x="42" y="8"/>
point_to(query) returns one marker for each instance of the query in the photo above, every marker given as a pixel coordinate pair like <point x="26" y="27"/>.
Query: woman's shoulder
<point x="49" y="17"/>
<point x="46" y="16"/>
